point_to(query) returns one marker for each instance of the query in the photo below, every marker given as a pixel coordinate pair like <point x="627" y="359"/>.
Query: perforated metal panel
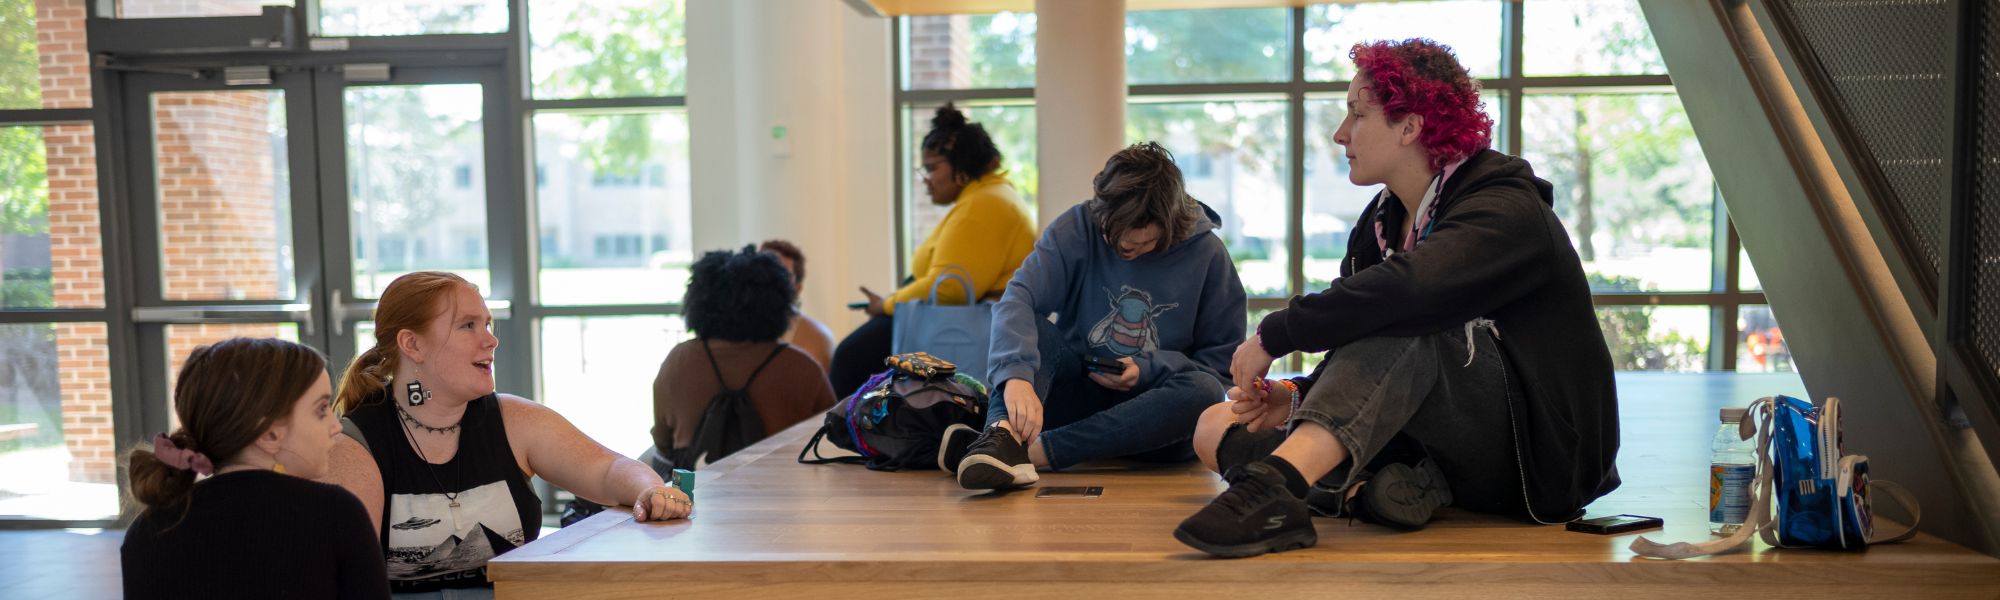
<point x="1985" y="293"/>
<point x="1885" y="61"/>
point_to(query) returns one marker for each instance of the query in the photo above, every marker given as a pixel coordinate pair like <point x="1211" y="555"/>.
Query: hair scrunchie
<point x="181" y="458"/>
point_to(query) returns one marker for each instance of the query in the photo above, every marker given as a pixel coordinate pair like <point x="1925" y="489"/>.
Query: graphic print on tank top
<point x="430" y="540"/>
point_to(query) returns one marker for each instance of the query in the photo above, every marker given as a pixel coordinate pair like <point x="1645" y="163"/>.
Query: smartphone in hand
<point x="1099" y="364"/>
<point x="862" y="305"/>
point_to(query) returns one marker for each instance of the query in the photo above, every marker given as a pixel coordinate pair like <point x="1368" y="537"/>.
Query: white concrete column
<point x="789" y="126"/>
<point x="1079" y="96"/>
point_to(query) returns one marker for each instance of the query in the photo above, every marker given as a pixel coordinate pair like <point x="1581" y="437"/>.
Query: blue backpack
<point x="1822" y="494"/>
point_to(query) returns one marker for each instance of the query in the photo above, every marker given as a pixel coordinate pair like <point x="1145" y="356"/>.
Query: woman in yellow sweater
<point x="987" y="233"/>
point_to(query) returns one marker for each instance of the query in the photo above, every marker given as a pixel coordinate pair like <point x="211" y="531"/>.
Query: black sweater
<point x="1497" y="251"/>
<point x="255" y="534"/>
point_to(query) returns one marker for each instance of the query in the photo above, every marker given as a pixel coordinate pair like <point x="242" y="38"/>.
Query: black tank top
<point x="433" y="541"/>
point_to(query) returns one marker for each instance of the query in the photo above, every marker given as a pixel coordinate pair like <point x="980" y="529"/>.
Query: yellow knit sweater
<point x="987" y="233"/>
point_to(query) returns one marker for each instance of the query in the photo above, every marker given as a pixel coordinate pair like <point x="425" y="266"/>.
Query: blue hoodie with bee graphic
<point x="1174" y="310"/>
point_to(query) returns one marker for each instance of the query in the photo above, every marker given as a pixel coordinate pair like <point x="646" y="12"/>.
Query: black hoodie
<point x="1497" y="251"/>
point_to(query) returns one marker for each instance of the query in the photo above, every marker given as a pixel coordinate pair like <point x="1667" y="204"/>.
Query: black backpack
<point x="895" y="420"/>
<point x="731" y="421"/>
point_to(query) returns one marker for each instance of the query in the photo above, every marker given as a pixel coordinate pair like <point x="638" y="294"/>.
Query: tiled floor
<point x="84" y="563"/>
<point x="76" y="563"/>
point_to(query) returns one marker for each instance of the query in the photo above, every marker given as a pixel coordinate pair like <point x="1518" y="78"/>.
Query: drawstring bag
<point x="1822" y="494"/>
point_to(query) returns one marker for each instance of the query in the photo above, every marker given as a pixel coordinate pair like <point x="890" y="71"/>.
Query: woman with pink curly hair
<point x="1420" y="402"/>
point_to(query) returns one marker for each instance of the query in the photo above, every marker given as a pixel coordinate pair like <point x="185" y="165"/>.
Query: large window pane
<point x="1656" y="338"/>
<point x="1230" y="160"/>
<point x="612" y="195"/>
<point x="598" y="372"/>
<point x="608" y="48"/>
<point x="183" y="339"/>
<point x="1588" y="37"/>
<point x="1760" y="343"/>
<point x="1471" y="27"/>
<point x="56" y="445"/>
<point x="1208" y="46"/>
<point x="49" y="252"/>
<point x="416" y="179"/>
<point x="1012" y="127"/>
<point x="1746" y="274"/>
<point x="43" y="59"/>
<point x="1631" y="185"/>
<point x="956" y="52"/>
<point x="1333" y="203"/>
<point x="152" y="9"/>
<point x="377" y="17"/>
<point x="224" y="190"/>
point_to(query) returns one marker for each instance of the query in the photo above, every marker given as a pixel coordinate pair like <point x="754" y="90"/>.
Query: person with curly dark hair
<point x="807" y="333"/>
<point x="737" y="305"/>
<point x="987" y="233"/>
<point x="1420" y="401"/>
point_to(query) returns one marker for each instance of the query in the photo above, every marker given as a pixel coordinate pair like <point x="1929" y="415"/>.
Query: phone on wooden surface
<point x="1091" y="491"/>
<point x="1099" y="364"/>
<point x="862" y="305"/>
<point x="1615" y="524"/>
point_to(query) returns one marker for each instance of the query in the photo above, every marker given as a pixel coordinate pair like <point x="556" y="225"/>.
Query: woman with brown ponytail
<point x="442" y="461"/>
<point x="228" y="508"/>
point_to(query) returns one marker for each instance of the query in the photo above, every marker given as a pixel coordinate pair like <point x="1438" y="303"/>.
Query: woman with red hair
<point x="1420" y="402"/>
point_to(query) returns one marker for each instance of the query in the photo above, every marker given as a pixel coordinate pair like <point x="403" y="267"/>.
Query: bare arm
<point x="353" y="468"/>
<point x="559" y="452"/>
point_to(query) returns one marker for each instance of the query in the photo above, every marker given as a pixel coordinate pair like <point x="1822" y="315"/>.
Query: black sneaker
<point x="952" y="447"/>
<point x="995" y="460"/>
<point x="1254" y="516"/>
<point x="1402" y="496"/>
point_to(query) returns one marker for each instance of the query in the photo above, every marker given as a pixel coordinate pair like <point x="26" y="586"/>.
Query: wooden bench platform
<point x="768" y="527"/>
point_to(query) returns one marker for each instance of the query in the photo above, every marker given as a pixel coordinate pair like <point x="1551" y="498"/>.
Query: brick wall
<point x="940" y="53"/>
<point x="83" y="362"/>
<point x="218" y="218"/>
<point x="215" y="173"/>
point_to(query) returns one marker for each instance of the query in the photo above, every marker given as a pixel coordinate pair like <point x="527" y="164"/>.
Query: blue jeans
<point x="1083" y="421"/>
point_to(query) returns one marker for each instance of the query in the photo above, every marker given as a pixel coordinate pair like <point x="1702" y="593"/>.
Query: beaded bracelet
<point x="1294" y="388"/>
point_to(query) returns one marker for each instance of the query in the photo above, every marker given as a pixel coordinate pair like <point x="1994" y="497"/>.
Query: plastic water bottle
<point x="1731" y="468"/>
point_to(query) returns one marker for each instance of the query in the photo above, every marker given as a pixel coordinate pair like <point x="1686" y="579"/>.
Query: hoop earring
<point x="418" y="395"/>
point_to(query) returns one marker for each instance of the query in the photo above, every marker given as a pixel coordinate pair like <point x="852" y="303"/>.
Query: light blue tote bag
<point x="957" y="333"/>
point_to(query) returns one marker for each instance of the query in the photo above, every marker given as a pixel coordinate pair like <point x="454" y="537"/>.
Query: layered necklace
<point x="408" y="421"/>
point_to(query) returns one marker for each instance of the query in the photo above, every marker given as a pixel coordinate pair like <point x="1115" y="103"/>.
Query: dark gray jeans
<point x="1399" y="398"/>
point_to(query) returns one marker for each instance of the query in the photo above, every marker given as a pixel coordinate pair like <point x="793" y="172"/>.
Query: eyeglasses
<point x="924" y="170"/>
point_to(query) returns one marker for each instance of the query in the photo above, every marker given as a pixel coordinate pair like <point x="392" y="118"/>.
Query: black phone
<point x="1615" y="524"/>
<point x="1099" y="364"/>
<point x="857" y="305"/>
<point x="1090" y="491"/>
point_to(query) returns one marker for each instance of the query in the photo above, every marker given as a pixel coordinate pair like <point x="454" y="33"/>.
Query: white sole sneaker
<point x="982" y="472"/>
<point x="944" y="446"/>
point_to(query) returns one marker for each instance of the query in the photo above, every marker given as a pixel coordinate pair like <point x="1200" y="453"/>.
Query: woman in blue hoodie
<point x="1464" y="363"/>
<point x="1140" y="286"/>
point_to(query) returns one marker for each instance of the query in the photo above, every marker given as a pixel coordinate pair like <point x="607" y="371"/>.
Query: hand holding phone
<point x="1099" y="364"/>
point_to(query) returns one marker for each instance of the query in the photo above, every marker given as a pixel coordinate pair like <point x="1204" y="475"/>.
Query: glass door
<point x="221" y="179"/>
<point x="283" y="207"/>
<point x="411" y="174"/>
